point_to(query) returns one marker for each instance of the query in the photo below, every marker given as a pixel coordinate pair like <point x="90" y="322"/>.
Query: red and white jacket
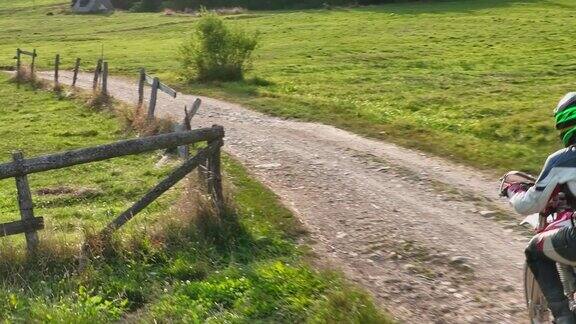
<point x="559" y="170"/>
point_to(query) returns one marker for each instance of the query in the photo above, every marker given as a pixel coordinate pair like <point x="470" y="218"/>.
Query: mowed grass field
<point x="471" y="80"/>
<point x="167" y="265"/>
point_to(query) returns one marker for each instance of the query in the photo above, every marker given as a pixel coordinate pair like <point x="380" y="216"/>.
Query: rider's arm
<point x="527" y="202"/>
<point x="559" y="168"/>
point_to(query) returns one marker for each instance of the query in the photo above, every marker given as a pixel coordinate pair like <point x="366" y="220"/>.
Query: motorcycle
<point x="555" y="216"/>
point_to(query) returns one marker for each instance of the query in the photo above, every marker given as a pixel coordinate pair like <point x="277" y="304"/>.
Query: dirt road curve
<point x="417" y="231"/>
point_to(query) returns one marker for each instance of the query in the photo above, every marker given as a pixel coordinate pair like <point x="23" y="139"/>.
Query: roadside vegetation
<point x="173" y="263"/>
<point x="215" y="52"/>
<point x="394" y="72"/>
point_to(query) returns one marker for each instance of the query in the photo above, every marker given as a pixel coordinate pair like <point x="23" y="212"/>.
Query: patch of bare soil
<point x="81" y="192"/>
<point x="429" y="238"/>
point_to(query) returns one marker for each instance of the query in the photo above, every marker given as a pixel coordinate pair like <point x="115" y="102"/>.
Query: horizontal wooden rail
<point x="103" y="152"/>
<point x="148" y="78"/>
<point x="163" y="186"/>
<point x="167" y="90"/>
<point x="21" y="226"/>
<point x="33" y="54"/>
<point x="161" y="86"/>
<point x="18" y="59"/>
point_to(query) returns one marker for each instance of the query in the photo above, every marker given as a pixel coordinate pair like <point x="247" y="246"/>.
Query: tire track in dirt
<point x="404" y="224"/>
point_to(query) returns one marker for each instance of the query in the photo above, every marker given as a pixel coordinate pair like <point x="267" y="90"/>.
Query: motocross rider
<point x="558" y="245"/>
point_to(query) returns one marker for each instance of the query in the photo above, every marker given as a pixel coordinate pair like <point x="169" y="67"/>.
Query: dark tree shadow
<point x="441" y="7"/>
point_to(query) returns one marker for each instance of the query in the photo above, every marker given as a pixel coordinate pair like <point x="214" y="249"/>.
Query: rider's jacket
<point x="559" y="173"/>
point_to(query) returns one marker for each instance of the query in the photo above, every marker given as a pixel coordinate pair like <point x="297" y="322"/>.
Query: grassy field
<point x="472" y="80"/>
<point x="79" y="198"/>
<point x="169" y="264"/>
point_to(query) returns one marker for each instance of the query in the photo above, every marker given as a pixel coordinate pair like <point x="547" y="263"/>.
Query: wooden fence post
<point x="56" y="70"/>
<point x="190" y="114"/>
<point x="153" y="98"/>
<point x="215" y="176"/>
<point x="18" y="60"/>
<point x="76" y="70"/>
<point x="203" y="173"/>
<point x="33" y="64"/>
<point x="97" y="74"/>
<point x="105" y="78"/>
<point x="141" y="83"/>
<point x="25" y="202"/>
<point x="184" y="151"/>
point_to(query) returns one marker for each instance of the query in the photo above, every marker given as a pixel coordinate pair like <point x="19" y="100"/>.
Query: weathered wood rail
<point x="186" y="125"/>
<point x="100" y="73"/>
<point x="154" y="82"/>
<point x="18" y="57"/>
<point x="208" y="159"/>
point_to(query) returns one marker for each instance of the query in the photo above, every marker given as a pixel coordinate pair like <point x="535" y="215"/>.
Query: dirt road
<point x="429" y="238"/>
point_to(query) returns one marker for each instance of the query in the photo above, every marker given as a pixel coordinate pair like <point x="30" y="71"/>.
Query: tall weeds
<point x="24" y="75"/>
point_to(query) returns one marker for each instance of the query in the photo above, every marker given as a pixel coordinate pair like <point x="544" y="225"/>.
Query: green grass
<point x="171" y="264"/>
<point x="472" y="80"/>
<point x="78" y="198"/>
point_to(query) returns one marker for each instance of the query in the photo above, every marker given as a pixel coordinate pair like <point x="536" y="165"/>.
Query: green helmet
<point x="565" y="114"/>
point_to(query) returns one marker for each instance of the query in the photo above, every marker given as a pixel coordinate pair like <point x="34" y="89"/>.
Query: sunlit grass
<point x="175" y="262"/>
<point x="471" y="80"/>
<point x="80" y="197"/>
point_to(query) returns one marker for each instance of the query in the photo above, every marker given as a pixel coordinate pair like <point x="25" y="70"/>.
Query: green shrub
<point x="215" y="52"/>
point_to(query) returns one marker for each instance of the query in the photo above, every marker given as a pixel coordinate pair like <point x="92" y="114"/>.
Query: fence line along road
<point x="156" y="85"/>
<point x="18" y="57"/>
<point x="207" y="160"/>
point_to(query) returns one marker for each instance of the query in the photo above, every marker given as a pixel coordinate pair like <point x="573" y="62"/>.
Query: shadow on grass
<point x="195" y="266"/>
<point x="441" y="7"/>
<point x="248" y="87"/>
<point x="190" y="244"/>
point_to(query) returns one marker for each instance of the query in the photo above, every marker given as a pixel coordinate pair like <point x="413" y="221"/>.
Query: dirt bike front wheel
<point x="535" y="302"/>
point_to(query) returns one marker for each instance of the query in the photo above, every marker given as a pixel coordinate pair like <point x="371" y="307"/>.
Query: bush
<point x="216" y="52"/>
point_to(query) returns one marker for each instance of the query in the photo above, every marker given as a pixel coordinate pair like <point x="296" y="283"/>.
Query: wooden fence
<point x="186" y="125"/>
<point x="18" y="57"/>
<point x="146" y="79"/>
<point x="206" y="159"/>
<point x="100" y="73"/>
<point x="100" y="77"/>
<point x="156" y="85"/>
<point x="101" y="80"/>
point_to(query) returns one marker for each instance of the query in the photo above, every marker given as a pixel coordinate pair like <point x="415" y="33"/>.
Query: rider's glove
<point x="515" y="181"/>
<point x="512" y="188"/>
